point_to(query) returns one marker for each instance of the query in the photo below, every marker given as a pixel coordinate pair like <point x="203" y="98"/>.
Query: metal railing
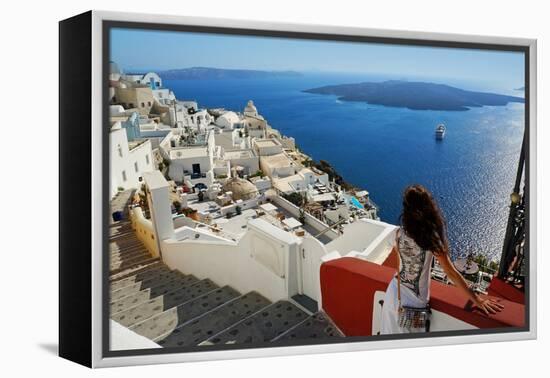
<point x="512" y="259"/>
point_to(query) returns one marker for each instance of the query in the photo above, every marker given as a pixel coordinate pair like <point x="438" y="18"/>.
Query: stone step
<point x="158" y="285"/>
<point x="155" y="306"/>
<point x="128" y="251"/>
<point x="161" y="325"/>
<point x="125" y="291"/>
<point x="137" y="261"/>
<point x="118" y="257"/>
<point x="127" y="248"/>
<point x="187" y="291"/>
<point x="121" y="232"/>
<point x="215" y="321"/>
<point x="117" y="247"/>
<point x="123" y="238"/>
<point x="135" y="270"/>
<point x="134" y="265"/>
<point x="123" y="225"/>
<point x="130" y="301"/>
<point x="152" y="281"/>
<point x="141" y="275"/>
<point x="144" y="277"/>
<point x="317" y="326"/>
<point x="263" y="326"/>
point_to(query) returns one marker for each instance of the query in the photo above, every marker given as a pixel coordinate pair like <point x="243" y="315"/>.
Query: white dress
<point x="414" y="271"/>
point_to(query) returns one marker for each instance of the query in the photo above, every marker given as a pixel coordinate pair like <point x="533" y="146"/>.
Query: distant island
<point x="520" y="89"/>
<point x="201" y="73"/>
<point x="415" y="95"/>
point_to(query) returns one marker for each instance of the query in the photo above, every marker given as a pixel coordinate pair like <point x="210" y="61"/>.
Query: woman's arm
<point x="487" y="305"/>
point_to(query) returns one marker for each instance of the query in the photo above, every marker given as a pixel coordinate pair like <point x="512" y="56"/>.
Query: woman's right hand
<point x="488" y="305"/>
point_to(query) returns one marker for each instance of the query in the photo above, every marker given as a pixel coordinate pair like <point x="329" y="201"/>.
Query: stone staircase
<point x="178" y="310"/>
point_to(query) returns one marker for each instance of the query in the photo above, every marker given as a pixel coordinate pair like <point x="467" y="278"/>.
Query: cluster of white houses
<point x="210" y="151"/>
<point x="224" y="196"/>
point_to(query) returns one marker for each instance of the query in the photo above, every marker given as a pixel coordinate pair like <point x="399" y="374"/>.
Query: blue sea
<point x="384" y="149"/>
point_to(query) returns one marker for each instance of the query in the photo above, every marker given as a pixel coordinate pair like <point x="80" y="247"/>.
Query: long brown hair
<point x="423" y="221"/>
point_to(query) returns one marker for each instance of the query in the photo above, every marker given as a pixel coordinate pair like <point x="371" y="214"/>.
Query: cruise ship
<point x="440" y="131"/>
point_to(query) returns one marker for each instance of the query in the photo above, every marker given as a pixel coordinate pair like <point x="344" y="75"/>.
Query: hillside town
<point x="219" y="162"/>
<point x="222" y="231"/>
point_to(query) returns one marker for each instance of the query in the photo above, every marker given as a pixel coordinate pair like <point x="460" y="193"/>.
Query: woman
<point x="421" y="236"/>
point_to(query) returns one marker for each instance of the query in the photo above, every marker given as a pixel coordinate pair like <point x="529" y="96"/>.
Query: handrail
<point x="330" y="227"/>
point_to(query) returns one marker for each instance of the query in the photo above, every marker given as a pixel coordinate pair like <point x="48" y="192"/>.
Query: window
<point x="149" y="103"/>
<point x="147" y="159"/>
<point x="119" y="150"/>
<point x="131" y="105"/>
<point x="124" y="178"/>
<point x="142" y="104"/>
<point x="136" y="166"/>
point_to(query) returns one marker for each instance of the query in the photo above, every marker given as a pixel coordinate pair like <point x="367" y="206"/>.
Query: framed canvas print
<point x="232" y="189"/>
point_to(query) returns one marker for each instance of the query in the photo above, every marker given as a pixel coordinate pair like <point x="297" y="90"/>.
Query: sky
<point x="136" y="50"/>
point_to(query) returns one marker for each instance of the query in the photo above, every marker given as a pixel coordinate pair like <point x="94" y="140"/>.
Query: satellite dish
<point x="466" y="266"/>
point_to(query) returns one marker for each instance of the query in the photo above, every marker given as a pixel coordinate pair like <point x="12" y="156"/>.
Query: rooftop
<point x="237" y="225"/>
<point x="137" y="143"/>
<point x="278" y="160"/>
<point x="239" y="154"/>
<point x="266" y="143"/>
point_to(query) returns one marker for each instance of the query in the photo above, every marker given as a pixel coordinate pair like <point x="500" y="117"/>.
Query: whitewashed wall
<point x="260" y="261"/>
<point x="125" y="163"/>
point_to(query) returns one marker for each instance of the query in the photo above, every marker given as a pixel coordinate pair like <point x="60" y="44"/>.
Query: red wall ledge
<point x="499" y="288"/>
<point x="348" y="286"/>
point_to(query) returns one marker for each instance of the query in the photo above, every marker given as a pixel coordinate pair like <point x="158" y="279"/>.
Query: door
<point x="197" y="169"/>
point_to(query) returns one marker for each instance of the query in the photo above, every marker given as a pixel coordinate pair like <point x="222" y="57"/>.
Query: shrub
<point x="294" y="198"/>
<point x="259" y="173"/>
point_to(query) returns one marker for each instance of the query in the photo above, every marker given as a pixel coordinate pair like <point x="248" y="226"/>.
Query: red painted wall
<point x="348" y="285"/>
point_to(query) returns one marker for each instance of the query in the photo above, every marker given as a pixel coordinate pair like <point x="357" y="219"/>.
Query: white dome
<point x="113" y="68"/>
<point x="250" y="109"/>
<point x="115" y="109"/>
<point x="227" y="120"/>
<point x="240" y="189"/>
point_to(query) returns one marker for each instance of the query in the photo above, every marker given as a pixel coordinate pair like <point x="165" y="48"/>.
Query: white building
<point x="229" y="121"/>
<point x="191" y="157"/>
<point x="267" y="147"/>
<point x="243" y="158"/>
<point x="150" y="79"/>
<point x="129" y="160"/>
<point x="164" y="96"/>
<point x="191" y="117"/>
<point x="277" y="166"/>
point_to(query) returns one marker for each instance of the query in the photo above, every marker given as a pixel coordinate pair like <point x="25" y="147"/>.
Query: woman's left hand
<point x="488" y="305"/>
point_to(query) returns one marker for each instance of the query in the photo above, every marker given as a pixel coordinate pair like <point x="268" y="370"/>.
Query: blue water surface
<point x="383" y="149"/>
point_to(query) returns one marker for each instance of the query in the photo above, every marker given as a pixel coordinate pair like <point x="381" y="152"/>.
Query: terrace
<point x="235" y="225"/>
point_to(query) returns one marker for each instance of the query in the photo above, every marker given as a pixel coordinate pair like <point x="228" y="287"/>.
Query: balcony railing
<point x="512" y="261"/>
